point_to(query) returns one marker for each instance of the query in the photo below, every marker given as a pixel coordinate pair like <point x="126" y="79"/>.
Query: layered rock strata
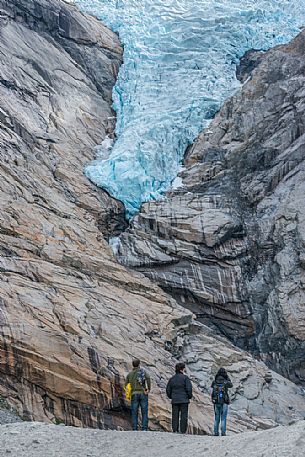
<point x="72" y="317"/>
<point x="229" y="243"/>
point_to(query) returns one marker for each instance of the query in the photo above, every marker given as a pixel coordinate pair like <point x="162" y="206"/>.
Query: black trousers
<point x="179" y="417"/>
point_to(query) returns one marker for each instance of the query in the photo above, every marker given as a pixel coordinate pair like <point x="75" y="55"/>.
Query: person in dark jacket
<point x="179" y="390"/>
<point x="221" y="400"/>
<point x="140" y="388"/>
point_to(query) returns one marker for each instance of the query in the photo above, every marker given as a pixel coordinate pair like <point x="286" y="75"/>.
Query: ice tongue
<point x="179" y="66"/>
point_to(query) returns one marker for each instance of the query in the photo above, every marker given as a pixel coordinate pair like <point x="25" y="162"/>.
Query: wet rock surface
<point x="71" y="317"/>
<point x="229" y="243"/>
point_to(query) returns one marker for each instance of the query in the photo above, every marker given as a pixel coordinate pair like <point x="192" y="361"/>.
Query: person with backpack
<point x="179" y="390"/>
<point x="221" y="400"/>
<point x="140" y="384"/>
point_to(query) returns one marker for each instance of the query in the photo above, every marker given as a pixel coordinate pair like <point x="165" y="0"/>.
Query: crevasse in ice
<point x="179" y="66"/>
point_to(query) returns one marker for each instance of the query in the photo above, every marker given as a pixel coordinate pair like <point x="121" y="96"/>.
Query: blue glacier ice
<point x="179" y="66"/>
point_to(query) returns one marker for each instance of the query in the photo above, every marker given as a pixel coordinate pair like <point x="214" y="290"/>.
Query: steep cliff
<point x="229" y="243"/>
<point x="71" y="316"/>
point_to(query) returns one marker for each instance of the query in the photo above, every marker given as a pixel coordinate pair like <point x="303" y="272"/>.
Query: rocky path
<point x="37" y="439"/>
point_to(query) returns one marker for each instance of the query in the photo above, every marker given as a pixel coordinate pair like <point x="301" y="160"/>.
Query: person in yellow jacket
<point x="140" y="383"/>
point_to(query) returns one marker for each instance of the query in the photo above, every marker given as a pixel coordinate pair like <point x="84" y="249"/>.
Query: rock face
<point x="229" y="243"/>
<point x="71" y="317"/>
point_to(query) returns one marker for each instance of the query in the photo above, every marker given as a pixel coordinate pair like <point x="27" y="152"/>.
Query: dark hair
<point x="135" y="363"/>
<point x="179" y="367"/>
<point x="222" y="372"/>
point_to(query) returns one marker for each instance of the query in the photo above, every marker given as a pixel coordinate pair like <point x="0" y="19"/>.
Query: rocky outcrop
<point x="229" y="243"/>
<point x="71" y="317"/>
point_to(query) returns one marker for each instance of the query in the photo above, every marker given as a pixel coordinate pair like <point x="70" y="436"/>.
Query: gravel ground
<point x="40" y="440"/>
<point x="7" y="414"/>
<point x="8" y="417"/>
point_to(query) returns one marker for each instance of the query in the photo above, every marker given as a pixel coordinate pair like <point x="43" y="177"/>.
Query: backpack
<point x="219" y="393"/>
<point x="141" y="377"/>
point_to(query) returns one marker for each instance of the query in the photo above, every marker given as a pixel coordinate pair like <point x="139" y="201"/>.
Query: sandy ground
<point x="40" y="440"/>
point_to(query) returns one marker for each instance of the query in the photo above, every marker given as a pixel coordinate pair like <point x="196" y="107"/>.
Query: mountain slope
<point x="72" y="317"/>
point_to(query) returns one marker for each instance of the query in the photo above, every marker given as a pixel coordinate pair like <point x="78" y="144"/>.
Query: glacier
<point x="180" y="58"/>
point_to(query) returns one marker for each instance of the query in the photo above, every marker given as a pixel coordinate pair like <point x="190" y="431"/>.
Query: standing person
<point x="179" y="390"/>
<point x="221" y="400"/>
<point x="140" y="387"/>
